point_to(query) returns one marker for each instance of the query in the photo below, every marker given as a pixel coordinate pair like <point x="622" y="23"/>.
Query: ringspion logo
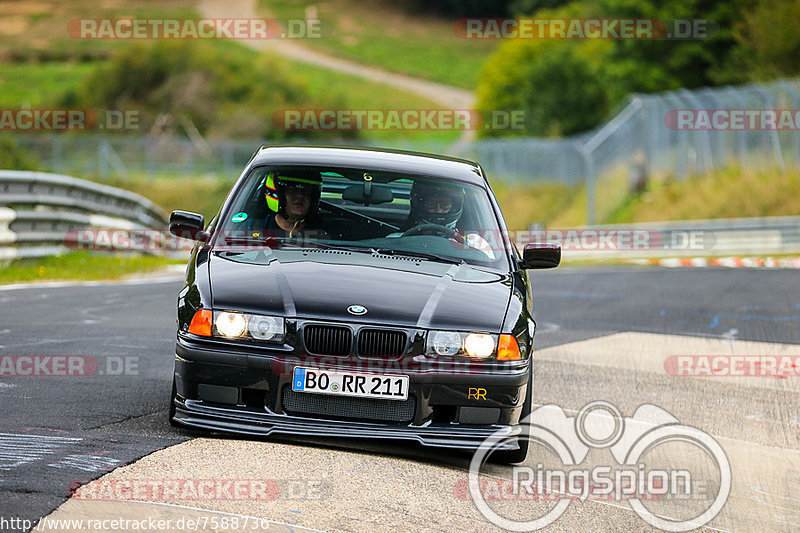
<point x="655" y="461"/>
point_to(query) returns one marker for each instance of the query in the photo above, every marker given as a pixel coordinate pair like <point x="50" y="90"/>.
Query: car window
<point x="361" y="208"/>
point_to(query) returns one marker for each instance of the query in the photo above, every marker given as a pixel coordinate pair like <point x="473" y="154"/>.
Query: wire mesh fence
<point x="673" y="135"/>
<point x="651" y="135"/>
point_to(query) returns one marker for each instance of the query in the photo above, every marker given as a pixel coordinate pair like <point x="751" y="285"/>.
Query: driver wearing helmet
<point x="436" y="209"/>
<point x="293" y="202"/>
<point x="435" y="203"/>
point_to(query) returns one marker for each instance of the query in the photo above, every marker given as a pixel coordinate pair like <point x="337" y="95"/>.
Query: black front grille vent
<point x="329" y="406"/>
<point x="327" y="340"/>
<point x="381" y="343"/>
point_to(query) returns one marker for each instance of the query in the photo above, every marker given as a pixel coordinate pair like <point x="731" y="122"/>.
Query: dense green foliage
<point x="481" y="8"/>
<point x="12" y="156"/>
<point x="217" y="89"/>
<point x="568" y="86"/>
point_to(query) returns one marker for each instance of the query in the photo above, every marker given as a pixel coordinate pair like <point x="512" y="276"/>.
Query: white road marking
<point x="17" y="449"/>
<point x="87" y="463"/>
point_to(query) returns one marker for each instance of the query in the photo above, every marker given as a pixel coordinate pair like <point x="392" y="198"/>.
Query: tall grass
<point x="381" y="33"/>
<point x="726" y="193"/>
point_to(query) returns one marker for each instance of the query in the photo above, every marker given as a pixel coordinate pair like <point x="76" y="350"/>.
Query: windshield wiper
<point x="423" y="255"/>
<point x="291" y="243"/>
<point x="327" y="246"/>
<point x="248" y="239"/>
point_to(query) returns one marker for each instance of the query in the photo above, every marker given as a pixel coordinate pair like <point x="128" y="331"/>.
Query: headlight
<point x="446" y="342"/>
<point x="474" y="345"/>
<point x="479" y="345"/>
<point x="266" y="328"/>
<point x="232" y="324"/>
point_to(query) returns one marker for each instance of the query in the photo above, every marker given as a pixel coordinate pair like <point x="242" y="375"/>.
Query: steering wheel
<point x="429" y="229"/>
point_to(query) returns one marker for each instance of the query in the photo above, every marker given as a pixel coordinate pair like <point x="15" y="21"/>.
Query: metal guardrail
<point x="691" y="238"/>
<point x="37" y="210"/>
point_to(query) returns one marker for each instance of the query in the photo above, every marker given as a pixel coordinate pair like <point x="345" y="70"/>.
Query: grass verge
<point x="725" y="193"/>
<point x="380" y="33"/>
<point x="202" y="195"/>
<point x="81" y="266"/>
<point x="351" y="92"/>
<point x="40" y="84"/>
<point x="40" y="62"/>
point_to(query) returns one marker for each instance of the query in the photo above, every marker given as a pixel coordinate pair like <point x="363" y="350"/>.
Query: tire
<point x="518" y="456"/>
<point x="172" y="421"/>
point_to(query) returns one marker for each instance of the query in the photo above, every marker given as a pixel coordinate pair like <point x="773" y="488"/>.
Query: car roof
<point x="376" y="159"/>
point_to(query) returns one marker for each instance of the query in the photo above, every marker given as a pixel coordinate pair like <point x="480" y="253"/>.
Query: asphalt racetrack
<point x="604" y="335"/>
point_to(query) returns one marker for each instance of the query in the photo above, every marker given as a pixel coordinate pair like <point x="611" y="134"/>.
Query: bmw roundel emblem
<point x="357" y="310"/>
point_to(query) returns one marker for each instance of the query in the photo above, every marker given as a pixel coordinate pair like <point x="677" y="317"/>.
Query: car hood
<point x="322" y="284"/>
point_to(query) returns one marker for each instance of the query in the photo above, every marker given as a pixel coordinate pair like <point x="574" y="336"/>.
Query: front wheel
<point x="172" y="421"/>
<point x="518" y="456"/>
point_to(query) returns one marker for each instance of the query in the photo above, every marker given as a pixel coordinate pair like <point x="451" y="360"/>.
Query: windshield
<point x="374" y="212"/>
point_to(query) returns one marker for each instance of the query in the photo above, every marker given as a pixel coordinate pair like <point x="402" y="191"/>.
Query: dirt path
<point x="445" y="95"/>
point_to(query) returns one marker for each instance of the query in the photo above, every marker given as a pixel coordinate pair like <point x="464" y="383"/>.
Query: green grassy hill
<point x="728" y="193"/>
<point x="40" y="62"/>
<point x="378" y="32"/>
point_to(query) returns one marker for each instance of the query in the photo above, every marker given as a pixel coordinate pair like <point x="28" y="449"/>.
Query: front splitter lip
<point x="194" y="414"/>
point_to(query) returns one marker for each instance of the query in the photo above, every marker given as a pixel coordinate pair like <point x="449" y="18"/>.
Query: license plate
<point x="388" y="387"/>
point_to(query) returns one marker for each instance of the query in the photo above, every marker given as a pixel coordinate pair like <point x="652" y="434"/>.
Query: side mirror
<point x="541" y="255"/>
<point x="188" y="225"/>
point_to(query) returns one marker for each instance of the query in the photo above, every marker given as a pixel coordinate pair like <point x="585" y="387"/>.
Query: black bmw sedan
<point x="357" y="292"/>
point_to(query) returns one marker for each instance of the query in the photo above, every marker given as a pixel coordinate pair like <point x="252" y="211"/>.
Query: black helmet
<point x="276" y="182"/>
<point x="425" y="190"/>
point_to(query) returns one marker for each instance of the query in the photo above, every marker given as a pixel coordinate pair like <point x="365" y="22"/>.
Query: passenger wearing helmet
<point x="293" y="203"/>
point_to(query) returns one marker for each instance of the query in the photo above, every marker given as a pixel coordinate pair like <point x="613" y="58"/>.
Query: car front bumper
<point x="246" y="392"/>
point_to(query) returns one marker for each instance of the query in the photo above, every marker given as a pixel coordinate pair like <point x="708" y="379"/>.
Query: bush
<point x="570" y="86"/>
<point x="13" y="157"/>
<point x="557" y="84"/>
<point x="768" y="42"/>
<point x="217" y="88"/>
